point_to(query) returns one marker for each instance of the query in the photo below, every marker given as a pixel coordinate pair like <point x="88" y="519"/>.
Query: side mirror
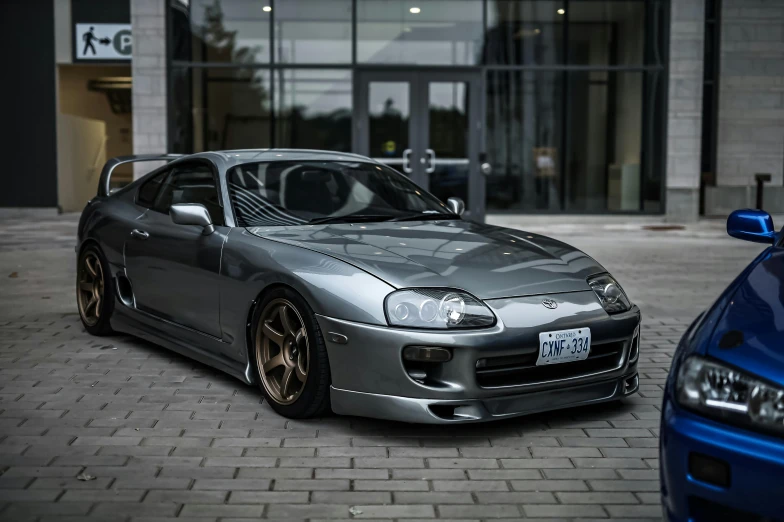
<point x="751" y="225"/>
<point x="192" y="214"/>
<point x="456" y="205"/>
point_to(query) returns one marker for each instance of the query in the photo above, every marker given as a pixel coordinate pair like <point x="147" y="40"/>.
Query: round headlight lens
<point x="401" y="311"/>
<point x="428" y="311"/>
<point x="612" y="293"/>
<point x="452" y="309"/>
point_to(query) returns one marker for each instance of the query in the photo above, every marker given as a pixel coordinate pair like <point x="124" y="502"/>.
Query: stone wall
<point x="684" y="119"/>
<point x="751" y="92"/>
<point x="148" y="22"/>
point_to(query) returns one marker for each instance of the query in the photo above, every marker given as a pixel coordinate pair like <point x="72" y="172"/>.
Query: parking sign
<point x="103" y="41"/>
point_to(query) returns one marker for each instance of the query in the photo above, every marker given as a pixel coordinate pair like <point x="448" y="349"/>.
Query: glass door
<point x="386" y="125"/>
<point x="427" y="126"/>
<point x="451" y="123"/>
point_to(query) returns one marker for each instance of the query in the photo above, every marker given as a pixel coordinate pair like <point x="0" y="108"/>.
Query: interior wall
<point x="77" y="100"/>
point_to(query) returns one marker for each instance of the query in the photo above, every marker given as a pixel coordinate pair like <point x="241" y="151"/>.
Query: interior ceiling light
<point x="561" y="11"/>
<point x="266" y="9"/>
<point x="415" y="10"/>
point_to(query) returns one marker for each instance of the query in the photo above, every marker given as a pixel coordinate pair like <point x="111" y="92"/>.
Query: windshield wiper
<point x="427" y="216"/>
<point x="351" y="218"/>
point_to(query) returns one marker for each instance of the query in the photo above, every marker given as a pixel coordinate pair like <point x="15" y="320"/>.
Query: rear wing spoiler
<point x="106" y="174"/>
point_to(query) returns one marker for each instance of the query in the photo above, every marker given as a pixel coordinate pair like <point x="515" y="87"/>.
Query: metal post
<point x="761" y="179"/>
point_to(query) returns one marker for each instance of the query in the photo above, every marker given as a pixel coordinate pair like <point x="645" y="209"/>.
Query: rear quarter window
<point x="149" y="189"/>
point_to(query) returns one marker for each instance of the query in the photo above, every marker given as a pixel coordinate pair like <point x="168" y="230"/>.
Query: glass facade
<point x="568" y="95"/>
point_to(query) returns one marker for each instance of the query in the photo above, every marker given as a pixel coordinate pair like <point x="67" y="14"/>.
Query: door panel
<point x="175" y="269"/>
<point x="447" y="158"/>
<point x="174" y="272"/>
<point x="389" y="122"/>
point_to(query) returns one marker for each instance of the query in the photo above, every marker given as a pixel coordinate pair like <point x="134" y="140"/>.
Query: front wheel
<point x="289" y="355"/>
<point x="94" y="292"/>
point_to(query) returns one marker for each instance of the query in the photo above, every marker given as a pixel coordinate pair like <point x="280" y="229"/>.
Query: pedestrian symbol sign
<point x="102" y="42"/>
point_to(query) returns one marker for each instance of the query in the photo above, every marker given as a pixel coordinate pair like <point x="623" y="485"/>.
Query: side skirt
<point x="184" y="341"/>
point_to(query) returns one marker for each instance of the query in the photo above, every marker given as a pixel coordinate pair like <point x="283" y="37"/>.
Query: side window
<point x="190" y="184"/>
<point x="149" y="189"/>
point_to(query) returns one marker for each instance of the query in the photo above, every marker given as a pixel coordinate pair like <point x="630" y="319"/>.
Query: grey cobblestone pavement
<point x="161" y="437"/>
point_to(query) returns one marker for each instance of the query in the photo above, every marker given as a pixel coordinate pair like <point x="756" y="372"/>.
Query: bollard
<point x="761" y="179"/>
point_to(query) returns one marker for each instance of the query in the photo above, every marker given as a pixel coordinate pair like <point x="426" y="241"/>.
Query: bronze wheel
<point x="90" y="288"/>
<point x="282" y="351"/>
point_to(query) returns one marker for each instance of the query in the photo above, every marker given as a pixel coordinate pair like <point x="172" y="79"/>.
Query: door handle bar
<point x="407" y="161"/>
<point x="139" y="234"/>
<point x="432" y="155"/>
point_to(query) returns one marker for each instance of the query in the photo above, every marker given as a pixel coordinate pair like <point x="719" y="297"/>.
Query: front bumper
<point x="434" y="411"/>
<point x="369" y="377"/>
<point x="755" y="461"/>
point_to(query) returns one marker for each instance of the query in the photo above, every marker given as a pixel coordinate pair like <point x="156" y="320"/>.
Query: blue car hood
<point x="750" y="333"/>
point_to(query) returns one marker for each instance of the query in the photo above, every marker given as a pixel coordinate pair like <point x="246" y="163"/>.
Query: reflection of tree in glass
<point x="236" y="101"/>
<point x="329" y="131"/>
<point x="221" y="44"/>
<point x="313" y="110"/>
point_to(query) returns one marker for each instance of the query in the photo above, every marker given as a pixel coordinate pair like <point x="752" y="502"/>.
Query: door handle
<point x="139" y="234"/>
<point x="432" y="156"/>
<point x="407" y="161"/>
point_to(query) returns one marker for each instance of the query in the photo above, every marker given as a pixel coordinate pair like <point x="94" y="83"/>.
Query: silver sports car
<point x="334" y="282"/>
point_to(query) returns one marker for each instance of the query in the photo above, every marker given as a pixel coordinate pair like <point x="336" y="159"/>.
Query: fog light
<point x="426" y="354"/>
<point x="709" y="469"/>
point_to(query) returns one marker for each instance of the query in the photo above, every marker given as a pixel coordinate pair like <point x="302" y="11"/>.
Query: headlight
<point x="718" y="391"/>
<point x="610" y="294"/>
<point x="436" y="308"/>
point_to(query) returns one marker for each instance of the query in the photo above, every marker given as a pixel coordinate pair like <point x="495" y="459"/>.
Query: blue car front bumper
<point x="755" y="462"/>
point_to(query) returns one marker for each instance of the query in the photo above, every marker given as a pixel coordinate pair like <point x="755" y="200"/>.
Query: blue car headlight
<point x="437" y="308"/>
<point x="715" y="390"/>
<point x="610" y="294"/>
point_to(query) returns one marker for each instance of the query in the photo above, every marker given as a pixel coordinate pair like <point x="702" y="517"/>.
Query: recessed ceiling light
<point x="415" y="10"/>
<point x="266" y="9"/>
<point x="561" y="11"/>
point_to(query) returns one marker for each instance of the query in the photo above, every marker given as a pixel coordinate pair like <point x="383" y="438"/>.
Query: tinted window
<point x="295" y="192"/>
<point x="191" y="184"/>
<point x="149" y="189"/>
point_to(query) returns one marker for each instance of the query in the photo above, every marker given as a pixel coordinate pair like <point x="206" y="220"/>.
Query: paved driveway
<point x="160" y="436"/>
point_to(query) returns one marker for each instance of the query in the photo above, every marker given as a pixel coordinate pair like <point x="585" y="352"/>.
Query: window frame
<point x="171" y="170"/>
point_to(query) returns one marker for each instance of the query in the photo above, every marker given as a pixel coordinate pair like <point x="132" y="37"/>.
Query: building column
<point x="751" y="106"/>
<point x="148" y="67"/>
<point x="684" y="118"/>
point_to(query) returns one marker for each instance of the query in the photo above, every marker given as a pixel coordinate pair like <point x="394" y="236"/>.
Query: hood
<point x="749" y="334"/>
<point x="487" y="261"/>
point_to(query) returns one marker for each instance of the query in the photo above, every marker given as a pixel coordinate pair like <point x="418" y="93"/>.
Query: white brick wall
<point x="685" y="94"/>
<point x="751" y="91"/>
<point x="148" y="19"/>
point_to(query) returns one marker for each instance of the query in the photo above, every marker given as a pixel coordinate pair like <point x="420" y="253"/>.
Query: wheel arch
<point x="254" y="305"/>
<point x="90" y="241"/>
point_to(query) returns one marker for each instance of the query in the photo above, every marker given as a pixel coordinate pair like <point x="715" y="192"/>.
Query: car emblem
<point x="549" y="303"/>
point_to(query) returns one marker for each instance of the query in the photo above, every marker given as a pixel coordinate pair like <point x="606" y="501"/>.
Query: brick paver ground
<point x="163" y="437"/>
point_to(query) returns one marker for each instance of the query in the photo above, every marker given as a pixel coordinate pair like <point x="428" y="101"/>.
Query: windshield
<point x="281" y="193"/>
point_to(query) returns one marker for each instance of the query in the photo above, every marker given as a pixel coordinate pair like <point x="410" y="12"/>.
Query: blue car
<point x="722" y="429"/>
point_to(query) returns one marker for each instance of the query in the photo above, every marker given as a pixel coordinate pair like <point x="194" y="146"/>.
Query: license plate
<point x="564" y="346"/>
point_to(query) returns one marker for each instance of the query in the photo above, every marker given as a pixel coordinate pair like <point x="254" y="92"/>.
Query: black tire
<point x="99" y="325"/>
<point x="313" y="398"/>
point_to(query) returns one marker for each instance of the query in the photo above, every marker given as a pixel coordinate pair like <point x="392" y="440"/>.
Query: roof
<point x="239" y="156"/>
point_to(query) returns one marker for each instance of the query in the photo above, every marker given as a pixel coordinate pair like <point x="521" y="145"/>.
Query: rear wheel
<point x="94" y="292"/>
<point x="289" y="355"/>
